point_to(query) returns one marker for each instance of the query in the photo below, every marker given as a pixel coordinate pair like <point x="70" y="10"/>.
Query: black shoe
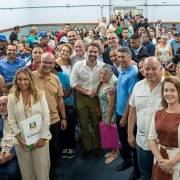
<point x="99" y="153"/>
<point x="70" y="153"/>
<point x="53" y="175"/>
<point x="64" y="153"/>
<point x="86" y="153"/>
<point x="124" y="166"/>
<point x="134" y="175"/>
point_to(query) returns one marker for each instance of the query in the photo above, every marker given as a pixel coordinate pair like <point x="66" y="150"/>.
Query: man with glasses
<point x="50" y="84"/>
<point x="13" y="36"/>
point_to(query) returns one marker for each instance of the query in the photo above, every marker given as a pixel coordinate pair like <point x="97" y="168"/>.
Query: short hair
<point x="174" y="80"/>
<point x="23" y="36"/>
<point x="147" y="33"/>
<point x="98" y="39"/>
<point x="125" y="28"/>
<point x="37" y="46"/>
<point x="11" y="44"/>
<point x="108" y="68"/>
<point x="67" y="24"/>
<point x="135" y="37"/>
<point x="72" y="30"/>
<point x="8" y="86"/>
<point x="68" y="46"/>
<point x="21" y="43"/>
<point x="176" y="58"/>
<point x="16" y="27"/>
<point x="93" y="44"/>
<point x="126" y="50"/>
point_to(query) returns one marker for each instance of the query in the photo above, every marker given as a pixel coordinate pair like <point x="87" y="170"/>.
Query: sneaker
<point x="64" y="153"/>
<point x="54" y="175"/>
<point x="70" y="153"/>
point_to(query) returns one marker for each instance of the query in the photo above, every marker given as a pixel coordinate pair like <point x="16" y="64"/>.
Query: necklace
<point x="27" y="105"/>
<point x="175" y="112"/>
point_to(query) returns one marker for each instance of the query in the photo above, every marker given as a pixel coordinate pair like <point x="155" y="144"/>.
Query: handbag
<point x="109" y="136"/>
<point x="98" y="110"/>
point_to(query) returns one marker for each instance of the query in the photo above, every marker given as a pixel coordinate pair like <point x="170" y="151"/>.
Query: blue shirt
<point x="65" y="81"/>
<point x="150" y="48"/>
<point x="123" y="43"/>
<point x="23" y="56"/>
<point x="100" y="58"/>
<point x="126" y="81"/>
<point x="175" y="45"/>
<point x="8" y="69"/>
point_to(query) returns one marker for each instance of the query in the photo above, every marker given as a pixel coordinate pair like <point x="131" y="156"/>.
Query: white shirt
<point x="112" y="27"/>
<point x="76" y="59"/>
<point x="103" y="24"/>
<point x="83" y="76"/>
<point x="146" y="104"/>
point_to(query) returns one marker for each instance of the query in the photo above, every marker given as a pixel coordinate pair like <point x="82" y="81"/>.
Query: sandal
<point x="111" y="158"/>
<point x="107" y="155"/>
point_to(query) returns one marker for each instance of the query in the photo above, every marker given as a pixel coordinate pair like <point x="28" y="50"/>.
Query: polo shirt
<point x="49" y="49"/>
<point x="175" y="45"/>
<point x="30" y="40"/>
<point x="146" y="104"/>
<point x="126" y="81"/>
<point x="13" y="37"/>
<point x="8" y="69"/>
<point x="53" y="90"/>
<point x="25" y="55"/>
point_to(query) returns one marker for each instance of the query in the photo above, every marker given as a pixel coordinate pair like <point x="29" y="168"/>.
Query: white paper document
<point x="31" y="129"/>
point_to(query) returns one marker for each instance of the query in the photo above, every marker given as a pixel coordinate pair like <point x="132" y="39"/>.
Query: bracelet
<point x="177" y="159"/>
<point x="63" y="118"/>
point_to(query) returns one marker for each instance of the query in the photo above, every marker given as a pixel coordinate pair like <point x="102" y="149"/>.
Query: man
<point x="158" y="25"/>
<point x="141" y="30"/>
<point x="31" y="39"/>
<point x="139" y="50"/>
<point x="125" y="40"/>
<point x="175" y="44"/>
<point x="72" y="37"/>
<point x="13" y="36"/>
<point x="128" y="77"/>
<point x="144" y="102"/>
<point x="113" y="40"/>
<point x="103" y="23"/>
<point x="9" y="167"/>
<point x="134" y="25"/>
<point x="80" y="49"/>
<point x="23" y="40"/>
<point x="99" y="41"/>
<point x="116" y="63"/>
<point x="97" y="30"/>
<point x="44" y="43"/>
<point x="10" y="64"/>
<point x="85" y="80"/>
<point x="50" y="84"/>
<point x="170" y="37"/>
<point x="22" y="52"/>
<point x="3" y="44"/>
<point x="147" y="44"/>
<point x="67" y="27"/>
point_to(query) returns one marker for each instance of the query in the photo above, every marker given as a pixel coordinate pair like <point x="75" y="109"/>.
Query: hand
<point x="63" y="124"/>
<point x="91" y="93"/>
<point x="133" y="62"/>
<point x="40" y="142"/>
<point x="132" y="141"/>
<point x="23" y="144"/>
<point x="107" y="123"/>
<point x="166" y="165"/>
<point x="111" y="90"/>
<point x="8" y="156"/>
<point x="2" y="160"/>
<point x="123" y="122"/>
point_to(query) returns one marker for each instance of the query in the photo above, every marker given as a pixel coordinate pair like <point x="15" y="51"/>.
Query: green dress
<point x="103" y="101"/>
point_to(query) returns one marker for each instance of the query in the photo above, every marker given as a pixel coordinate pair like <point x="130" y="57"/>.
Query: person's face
<point x="170" y="93"/>
<point x="36" y="54"/>
<point x="2" y="44"/>
<point x="164" y="39"/>
<point x="91" y="33"/>
<point x="47" y="65"/>
<point x="140" y="67"/>
<point x="15" y="43"/>
<point x="23" y="39"/>
<point x="90" y="27"/>
<point x="124" y="59"/>
<point x="159" y="41"/>
<point x="178" y="71"/>
<point x="23" y="81"/>
<point x="92" y="53"/>
<point x="158" y="34"/>
<point x="44" y="40"/>
<point x="114" y="57"/>
<point x="18" y="30"/>
<point x="84" y="30"/>
<point x="66" y="28"/>
<point x="49" y="29"/>
<point x="3" y="106"/>
<point x="169" y="34"/>
<point x="79" y="48"/>
<point x="152" y="33"/>
<point x="104" y="76"/>
<point x="72" y="37"/>
<point x="100" y="45"/>
<point x="145" y="38"/>
<point x="177" y="38"/>
<point x="141" y="30"/>
<point x="112" y="40"/>
<point x="125" y="33"/>
<point x="135" y="43"/>
<point x="152" y="70"/>
<point x="11" y="52"/>
<point x="20" y="47"/>
<point x="97" y="29"/>
<point x="65" y="52"/>
<point x="5" y="91"/>
<point x="104" y="20"/>
<point x="79" y="37"/>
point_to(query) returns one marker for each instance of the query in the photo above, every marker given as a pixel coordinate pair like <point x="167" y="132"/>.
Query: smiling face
<point x="23" y="81"/>
<point x="65" y="52"/>
<point x="112" y="40"/>
<point x="3" y="105"/>
<point x="11" y="52"/>
<point x="124" y="60"/>
<point x="79" y="48"/>
<point x="114" y="57"/>
<point x="72" y="37"/>
<point x="140" y="67"/>
<point x="104" y="76"/>
<point x="36" y="54"/>
<point x="92" y="53"/>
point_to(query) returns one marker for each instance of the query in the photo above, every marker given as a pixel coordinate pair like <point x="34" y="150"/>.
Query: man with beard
<point x="10" y="64"/>
<point x="85" y="80"/>
<point x="22" y="52"/>
<point x="72" y="38"/>
<point x="3" y="43"/>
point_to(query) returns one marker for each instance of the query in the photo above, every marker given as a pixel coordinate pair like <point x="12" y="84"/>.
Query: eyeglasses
<point x="164" y="39"/>
<point x="47" y="63"/>
<point x="111" y="38"/>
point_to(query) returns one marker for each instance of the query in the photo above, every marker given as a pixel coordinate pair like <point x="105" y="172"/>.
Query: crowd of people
<point x="130" y="66"/>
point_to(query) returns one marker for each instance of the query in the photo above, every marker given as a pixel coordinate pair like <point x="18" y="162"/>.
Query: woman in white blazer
<point x="25" y="101"/>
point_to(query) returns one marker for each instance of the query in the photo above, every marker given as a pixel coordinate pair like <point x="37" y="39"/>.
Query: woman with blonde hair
<point x="26" y="101"/>
<point x="65" y="58"/>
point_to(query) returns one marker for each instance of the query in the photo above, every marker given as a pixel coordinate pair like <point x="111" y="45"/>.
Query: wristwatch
<point x="63" y="118"/>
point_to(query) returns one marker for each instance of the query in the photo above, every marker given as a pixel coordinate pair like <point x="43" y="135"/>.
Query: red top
<point x="60" y="35"/>
<point x="50" y="50"/>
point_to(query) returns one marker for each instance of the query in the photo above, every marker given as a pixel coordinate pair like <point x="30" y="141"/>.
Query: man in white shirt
<point x="103" y="23"/>
<point x="144" y="102"/>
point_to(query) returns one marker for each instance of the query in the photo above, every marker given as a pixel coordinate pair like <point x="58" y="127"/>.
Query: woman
<point x="130" y="28"/>
<point x="113" y="26"/>
<point x="25" y="101"/>
<point x="163" y="51"/>
<point x="90" y="36"/>
<point x="107" y="104"/>
<point x="64" y="59"/>
<point x="164" y="133"/>
<point x="119" y="19"/>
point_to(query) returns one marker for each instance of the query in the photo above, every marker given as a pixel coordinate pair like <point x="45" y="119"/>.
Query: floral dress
<point x="103" y="101"/>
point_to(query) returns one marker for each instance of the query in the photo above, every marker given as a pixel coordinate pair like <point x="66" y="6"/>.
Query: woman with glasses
<point x="164" y="50"/>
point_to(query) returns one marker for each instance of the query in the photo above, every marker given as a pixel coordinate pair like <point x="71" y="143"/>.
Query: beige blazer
<point x="16" y="114"/>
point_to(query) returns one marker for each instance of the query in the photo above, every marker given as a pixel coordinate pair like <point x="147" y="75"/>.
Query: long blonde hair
<point x="15" y="90"/>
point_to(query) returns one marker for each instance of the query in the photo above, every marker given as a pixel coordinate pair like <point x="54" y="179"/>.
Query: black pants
<point x="53" y="144"/>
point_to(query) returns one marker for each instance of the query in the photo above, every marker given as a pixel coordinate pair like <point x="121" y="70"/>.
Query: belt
<point x="78" y="92"/>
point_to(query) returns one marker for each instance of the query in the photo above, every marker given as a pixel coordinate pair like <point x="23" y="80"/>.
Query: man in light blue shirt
<point x="10" y="64"/>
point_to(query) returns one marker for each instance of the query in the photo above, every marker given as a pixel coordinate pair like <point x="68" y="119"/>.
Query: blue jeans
<point x="126" y="151"/>
<point x="10" y="170"/>
<point x="145" y="159"/>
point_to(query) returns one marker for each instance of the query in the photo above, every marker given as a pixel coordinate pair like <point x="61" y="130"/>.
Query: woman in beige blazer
<point x="25" y="101"/>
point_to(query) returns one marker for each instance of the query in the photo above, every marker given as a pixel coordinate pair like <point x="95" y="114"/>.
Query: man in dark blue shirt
<point x="22" y="52"/>
<point x="125" y="40"/>
<point x="10" y="64"/>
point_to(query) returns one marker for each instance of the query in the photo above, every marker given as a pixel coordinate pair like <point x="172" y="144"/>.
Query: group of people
<point x="62" y="75"/>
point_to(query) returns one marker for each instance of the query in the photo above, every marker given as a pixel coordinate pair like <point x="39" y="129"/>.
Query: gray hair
<point x="108" y="68"/>
<point x="125" y="49"/>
